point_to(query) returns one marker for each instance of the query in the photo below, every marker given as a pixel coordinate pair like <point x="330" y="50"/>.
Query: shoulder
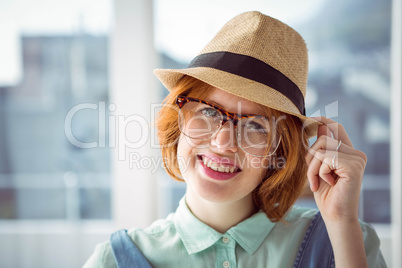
<point x="156" y="235"/>
<point x="158" y="232"/>
<point x="299" y="219"/>
<point x="293" y="227"/>
<point x="372" y="246"/>
<point x="102" y="257"/>
<point x="300" y="215"/>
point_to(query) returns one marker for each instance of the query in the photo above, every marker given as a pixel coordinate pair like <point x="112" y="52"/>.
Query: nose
<point x="225" y="138"/>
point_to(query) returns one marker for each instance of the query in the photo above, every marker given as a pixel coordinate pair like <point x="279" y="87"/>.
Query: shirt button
<point x="226" y="264"/>
<point x="225" y="240"/>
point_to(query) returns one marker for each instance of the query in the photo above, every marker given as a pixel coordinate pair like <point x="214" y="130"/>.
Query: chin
<point x="214" y="192"/>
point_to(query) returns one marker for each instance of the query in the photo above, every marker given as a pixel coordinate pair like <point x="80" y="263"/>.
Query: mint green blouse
<point x="181" y="240"/>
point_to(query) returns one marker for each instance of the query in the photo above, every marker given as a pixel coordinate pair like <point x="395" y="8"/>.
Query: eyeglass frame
<point x="226" y="117"/>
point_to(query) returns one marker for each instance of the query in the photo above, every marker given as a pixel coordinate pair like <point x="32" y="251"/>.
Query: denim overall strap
<point x="315" y="250"/>
<point x="125" y="253"/>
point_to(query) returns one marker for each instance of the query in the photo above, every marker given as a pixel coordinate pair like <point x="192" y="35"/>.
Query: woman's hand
<point x="335" y="176"/>
<point x="335" y="173"/>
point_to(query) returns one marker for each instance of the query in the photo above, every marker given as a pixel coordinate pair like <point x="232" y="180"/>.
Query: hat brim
<point x="239" y="86"/>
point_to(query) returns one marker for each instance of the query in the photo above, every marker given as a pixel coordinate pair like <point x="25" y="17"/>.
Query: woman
<point x="233" y="127"/>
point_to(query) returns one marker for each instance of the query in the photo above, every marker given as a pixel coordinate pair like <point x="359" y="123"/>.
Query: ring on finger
<point x="339" y="145"/>
<point x="334" y="165"/>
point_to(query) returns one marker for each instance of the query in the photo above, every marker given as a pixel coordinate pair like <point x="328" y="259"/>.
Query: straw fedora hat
<point x="255" y="57"/>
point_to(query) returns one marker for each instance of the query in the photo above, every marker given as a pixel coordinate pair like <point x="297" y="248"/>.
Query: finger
<point x="336" y="129"/>
<point x="323" y="130"/>
<point x="312" y="174"/>
<point x="319" y="172"/>
<point x="326" y="143"/>
<point x="324" y="166"/>
<point x="327" y="170"/>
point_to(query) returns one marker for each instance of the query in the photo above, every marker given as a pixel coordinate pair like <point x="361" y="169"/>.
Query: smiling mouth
<point x="218" y="167"/>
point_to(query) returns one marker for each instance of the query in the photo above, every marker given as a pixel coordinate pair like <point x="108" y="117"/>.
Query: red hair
<point x="281" y="186"/>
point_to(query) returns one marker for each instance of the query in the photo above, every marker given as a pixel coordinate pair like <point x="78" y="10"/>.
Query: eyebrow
<point x="243" y="114"/>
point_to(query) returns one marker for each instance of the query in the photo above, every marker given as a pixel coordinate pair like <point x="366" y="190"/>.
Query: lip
<point x="216" y="175"/>
<point x="221" y="160"/>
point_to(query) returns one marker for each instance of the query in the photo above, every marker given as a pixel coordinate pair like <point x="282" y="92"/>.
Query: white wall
<point x="396" y="133"/>
<point x="49" y="244"/>
<point x="52" y="244"/>
<point x="133" y="89"/>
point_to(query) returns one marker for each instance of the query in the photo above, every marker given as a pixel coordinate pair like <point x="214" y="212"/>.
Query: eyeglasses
<point x="200" y="120"/>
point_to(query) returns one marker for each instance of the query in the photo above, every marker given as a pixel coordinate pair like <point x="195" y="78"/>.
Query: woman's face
<point x="217" y="170"/>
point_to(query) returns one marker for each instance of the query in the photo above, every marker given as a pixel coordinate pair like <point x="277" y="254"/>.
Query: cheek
<point x="182" y="154"/>
<point x="258" y="164"/>
<point x="184" y="147"/>
<point x="187" y="145"/>
<point x="258" y="169"/>
<point x="186" y="153"/>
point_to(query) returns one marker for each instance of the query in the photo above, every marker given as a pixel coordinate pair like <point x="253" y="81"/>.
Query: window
<point x="52" y="97"/>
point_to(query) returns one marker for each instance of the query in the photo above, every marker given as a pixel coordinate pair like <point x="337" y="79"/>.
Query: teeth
<point x="217" y="167"/>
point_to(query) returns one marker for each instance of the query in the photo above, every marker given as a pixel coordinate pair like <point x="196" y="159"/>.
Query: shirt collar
<point x="250" y="233"/>
<point x="197" y="236"/>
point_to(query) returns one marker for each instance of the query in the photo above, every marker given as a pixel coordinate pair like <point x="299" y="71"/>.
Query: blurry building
<point x="41" y="172"/>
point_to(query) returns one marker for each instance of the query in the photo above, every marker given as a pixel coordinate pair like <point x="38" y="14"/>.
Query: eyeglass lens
<point x="201" y="121"/>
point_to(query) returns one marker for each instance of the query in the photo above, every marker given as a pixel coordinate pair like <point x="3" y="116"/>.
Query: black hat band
<point x="253" y="69"/>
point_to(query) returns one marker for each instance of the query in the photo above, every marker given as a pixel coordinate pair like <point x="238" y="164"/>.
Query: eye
<point x="210" y="112"/>
<point x="256" y="127"/>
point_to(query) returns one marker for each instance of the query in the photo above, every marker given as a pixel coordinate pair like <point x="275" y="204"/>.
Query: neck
<point x="223" y="215"/>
